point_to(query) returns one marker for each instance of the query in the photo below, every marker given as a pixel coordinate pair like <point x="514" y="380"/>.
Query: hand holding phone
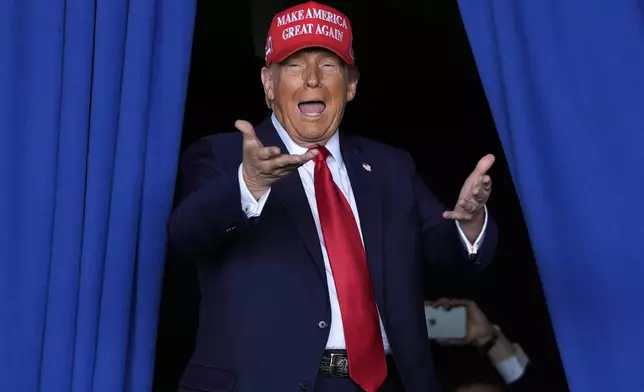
<point x="447" y="327"/>
<point x="446" y="323"/>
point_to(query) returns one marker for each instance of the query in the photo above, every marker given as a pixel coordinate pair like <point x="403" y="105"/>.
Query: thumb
<point x="246" y="128"/>
<point x="485" y="164"/>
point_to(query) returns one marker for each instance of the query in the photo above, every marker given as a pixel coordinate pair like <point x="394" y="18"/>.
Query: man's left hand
<point x="474" y="194"/>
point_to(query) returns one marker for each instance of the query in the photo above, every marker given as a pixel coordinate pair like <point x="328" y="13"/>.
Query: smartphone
<point x="446" y="324"/>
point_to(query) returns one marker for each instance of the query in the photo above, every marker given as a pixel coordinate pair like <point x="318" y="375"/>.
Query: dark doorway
<point x="419" y="90"/>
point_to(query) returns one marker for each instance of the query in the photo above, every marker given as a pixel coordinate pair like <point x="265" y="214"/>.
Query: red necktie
<point x="365" y="352"/>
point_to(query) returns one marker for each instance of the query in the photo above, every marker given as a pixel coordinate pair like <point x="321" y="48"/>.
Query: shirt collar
<point x="333" y="144"/>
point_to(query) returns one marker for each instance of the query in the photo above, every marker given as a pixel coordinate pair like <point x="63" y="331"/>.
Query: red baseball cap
<point x="309" y="25"/>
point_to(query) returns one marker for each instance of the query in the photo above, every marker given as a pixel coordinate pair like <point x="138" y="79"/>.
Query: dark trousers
<point x="332" y="384"/>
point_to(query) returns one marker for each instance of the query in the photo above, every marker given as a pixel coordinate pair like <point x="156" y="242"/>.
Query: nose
<point x="312" y="77"/>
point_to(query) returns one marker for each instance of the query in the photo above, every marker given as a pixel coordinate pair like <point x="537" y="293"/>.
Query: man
<point x="276" y="219"/>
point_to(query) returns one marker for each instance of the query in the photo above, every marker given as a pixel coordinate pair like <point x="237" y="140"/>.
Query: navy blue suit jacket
<point x="263" y="286"/>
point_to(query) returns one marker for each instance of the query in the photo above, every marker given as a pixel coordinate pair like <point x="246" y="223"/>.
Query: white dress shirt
<point x="253" y="208"/>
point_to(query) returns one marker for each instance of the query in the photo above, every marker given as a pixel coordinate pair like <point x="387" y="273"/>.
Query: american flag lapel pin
<point x="366" y="166"/>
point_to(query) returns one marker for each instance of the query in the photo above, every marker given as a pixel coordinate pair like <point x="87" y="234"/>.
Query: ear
<point x="352" y="86"/>
<point x="268" y="83"/>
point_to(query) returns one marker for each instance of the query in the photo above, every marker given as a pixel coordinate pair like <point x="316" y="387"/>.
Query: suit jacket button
<point x="305" y="385"/>
<point x="322" y="324"/>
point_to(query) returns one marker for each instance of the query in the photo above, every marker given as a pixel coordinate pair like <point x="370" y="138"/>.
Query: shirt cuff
<point x="513" y="368"/>
<point x="510" y="369"/>
<point x="252" y="207"/>
<point x="472" y="248"/>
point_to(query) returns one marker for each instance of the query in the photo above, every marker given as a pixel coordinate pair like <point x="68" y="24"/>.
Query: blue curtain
<point x="91" y="109"/>
<point x="565" y="82"/>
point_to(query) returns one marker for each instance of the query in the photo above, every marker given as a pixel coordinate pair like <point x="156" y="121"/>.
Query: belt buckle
<point x="338" y="365"/>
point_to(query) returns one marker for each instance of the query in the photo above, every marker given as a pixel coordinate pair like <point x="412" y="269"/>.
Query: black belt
<point x="335" y="363"/>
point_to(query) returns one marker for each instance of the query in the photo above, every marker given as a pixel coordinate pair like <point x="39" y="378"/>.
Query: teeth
<point x="312" y="114"/>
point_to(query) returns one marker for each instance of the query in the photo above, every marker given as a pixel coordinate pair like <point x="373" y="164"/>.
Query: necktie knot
<point x="322" y="155"/>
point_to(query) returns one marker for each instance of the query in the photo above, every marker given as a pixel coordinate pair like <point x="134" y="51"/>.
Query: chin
<point x="312" y="126"/>
<point x="313" y="131"/>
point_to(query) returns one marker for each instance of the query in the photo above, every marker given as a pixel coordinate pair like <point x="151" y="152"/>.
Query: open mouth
<point x="311" y="108"/>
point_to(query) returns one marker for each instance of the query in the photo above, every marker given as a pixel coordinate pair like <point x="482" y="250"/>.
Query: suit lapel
<point x="368" y="195"/>
<point x="289" y="193"/>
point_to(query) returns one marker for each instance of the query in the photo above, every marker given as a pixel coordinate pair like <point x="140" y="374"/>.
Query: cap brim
<point x="278" y="58"/>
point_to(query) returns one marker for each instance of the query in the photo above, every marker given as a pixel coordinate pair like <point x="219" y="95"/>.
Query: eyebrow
<point x="323" y="52"/>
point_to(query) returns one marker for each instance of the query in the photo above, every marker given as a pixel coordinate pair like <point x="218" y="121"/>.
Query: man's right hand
<point x="262" y="166"/>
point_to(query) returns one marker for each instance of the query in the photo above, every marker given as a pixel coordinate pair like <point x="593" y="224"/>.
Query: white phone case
<point x="446" y="324"/>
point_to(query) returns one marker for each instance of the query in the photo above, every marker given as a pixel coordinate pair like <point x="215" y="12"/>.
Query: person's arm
<point x="251" y="206"/>
<point x="532" y="379"/>
<point x="505" y="358"/>
<point x="473" y="246"/>
<point x="211" y="210"/>
<point x="445" y="245"/>
<point x="512" y="364"/>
